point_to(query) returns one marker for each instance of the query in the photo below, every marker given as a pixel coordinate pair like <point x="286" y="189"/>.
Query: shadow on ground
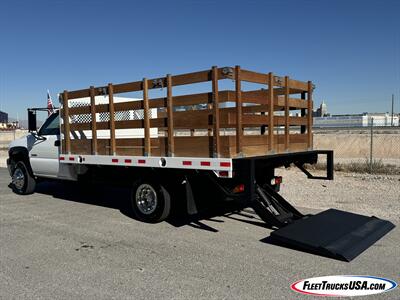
<point x="119" y="197"/>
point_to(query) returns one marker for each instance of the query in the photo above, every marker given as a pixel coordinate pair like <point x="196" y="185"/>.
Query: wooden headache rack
<point x="275" y="117"/>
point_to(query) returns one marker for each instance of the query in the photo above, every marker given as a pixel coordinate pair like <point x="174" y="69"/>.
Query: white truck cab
<point x="36" y="155"/>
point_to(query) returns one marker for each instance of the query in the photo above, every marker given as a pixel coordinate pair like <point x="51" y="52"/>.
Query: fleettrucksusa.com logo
<point x="343" y="285"/>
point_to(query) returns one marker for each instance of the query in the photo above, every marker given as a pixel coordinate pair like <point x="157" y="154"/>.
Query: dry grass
<point x="377" y="167"/>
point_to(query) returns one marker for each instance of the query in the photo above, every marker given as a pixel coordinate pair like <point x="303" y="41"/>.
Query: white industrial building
<point x="361" y="120"/>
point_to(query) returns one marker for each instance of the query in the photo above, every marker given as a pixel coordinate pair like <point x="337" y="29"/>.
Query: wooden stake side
<point x="287" y="128"/>
<point x="239" y="127"/>
<point x="271" y="113"/>
<point x="309" y="116"/>
<point x="67" y="137"/>
<point x="94" y="122"/>
<point x="170" y="111"/>
<point x="112" y="118"/>
<point x="303" y="112"/>
<point x="147" y="146"/>
<point x="216" y="133"/>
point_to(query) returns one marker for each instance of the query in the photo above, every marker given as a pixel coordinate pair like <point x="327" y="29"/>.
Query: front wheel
<point x="23" y="182"/>
<point x="150" y="201"/>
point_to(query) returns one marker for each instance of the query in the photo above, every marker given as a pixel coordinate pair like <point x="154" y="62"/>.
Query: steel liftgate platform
<point x="332" y="233"/>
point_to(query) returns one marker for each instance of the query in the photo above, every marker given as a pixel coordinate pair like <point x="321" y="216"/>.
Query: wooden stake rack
<point x="231" y="123"/>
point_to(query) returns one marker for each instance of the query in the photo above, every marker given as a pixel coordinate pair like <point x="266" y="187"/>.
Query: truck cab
<point x="36" y="155"/>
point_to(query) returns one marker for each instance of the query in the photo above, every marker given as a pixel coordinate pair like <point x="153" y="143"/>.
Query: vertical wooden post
<point x="67" y="137"/>
<point x="146" y="117"/>
<point x="239" y="127"/>
<point x="216" y="133"/>
<point x="170" y="111"/>
<point x="309" y="116"/>
<point x="112" y="118"/>
<point x="94" y="123"/>
<point x="287" y="128"/>
<point x="303" y="113"/>
<point x="271" y="113"/>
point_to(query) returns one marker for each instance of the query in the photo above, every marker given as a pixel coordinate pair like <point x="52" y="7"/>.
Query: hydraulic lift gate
<point x="332" y="233"/>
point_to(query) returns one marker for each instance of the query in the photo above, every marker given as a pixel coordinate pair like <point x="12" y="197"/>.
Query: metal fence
<point x="370" y="149"/>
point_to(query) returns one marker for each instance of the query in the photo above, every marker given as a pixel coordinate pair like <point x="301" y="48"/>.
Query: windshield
<point x="51" y="126"/>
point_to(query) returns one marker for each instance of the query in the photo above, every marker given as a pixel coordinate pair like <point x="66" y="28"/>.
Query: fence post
<point x="371" y="145"/>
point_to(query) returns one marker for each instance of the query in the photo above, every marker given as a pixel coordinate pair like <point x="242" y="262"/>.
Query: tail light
<point x="276" y="180"/>
<point x="239" y="188"/>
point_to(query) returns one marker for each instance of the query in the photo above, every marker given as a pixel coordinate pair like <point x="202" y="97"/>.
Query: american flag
<point x="50" y="107"/>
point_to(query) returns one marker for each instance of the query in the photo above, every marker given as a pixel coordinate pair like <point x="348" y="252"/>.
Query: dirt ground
<point x="367" y="194"/>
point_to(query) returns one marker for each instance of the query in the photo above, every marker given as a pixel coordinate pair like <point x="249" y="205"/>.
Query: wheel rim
<point x="146" y="199"/>
<point x="18" y="179"/>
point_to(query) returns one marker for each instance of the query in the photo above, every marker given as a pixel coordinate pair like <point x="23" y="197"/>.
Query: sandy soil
<point x="360" y="193"/>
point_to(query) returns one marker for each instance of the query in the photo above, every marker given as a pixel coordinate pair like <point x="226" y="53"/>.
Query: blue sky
<point x="349" y="49"/>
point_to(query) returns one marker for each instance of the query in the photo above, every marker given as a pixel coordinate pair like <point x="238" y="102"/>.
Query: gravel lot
<point x="63" y="243"/>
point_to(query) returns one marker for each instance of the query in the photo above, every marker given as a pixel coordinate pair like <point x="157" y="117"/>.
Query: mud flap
<point x="333" y="233"/>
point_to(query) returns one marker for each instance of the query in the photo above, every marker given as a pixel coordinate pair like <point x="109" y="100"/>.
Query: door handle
<point x="57" y="143"/>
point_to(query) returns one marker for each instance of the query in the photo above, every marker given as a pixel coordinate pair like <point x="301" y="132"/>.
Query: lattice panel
<point x="83" y="118"/>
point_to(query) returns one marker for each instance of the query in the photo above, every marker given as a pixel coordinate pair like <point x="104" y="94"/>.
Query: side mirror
<point x="32" y="125"/>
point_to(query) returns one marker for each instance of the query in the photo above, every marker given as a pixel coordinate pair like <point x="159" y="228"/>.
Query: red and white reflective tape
<point x="221" y="166"/>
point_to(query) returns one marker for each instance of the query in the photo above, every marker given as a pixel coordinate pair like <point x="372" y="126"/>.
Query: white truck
<point x="116" y="140"/>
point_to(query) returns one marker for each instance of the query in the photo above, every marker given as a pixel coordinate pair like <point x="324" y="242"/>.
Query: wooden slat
<point x="271" y="113"/>
<point x="256" y="97"/>
<point x="93" y="114"/>
<point x="66" y="126"/>
<point x="147" y="149"/>
<point x="255" y="77"/>
<point x="112" y="117"/>
<point x="239" y="127"/>
<point x="309" y="115"/>
<point x="189" y="78"/>
<point x="216" y="139"/>
<point x="287" y="113"/>
<point x="128" y="124"/>
<point x="298" y="85"/>
<point x="170" y="111"/>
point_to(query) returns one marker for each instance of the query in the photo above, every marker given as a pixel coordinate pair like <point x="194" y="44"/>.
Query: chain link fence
<point x="371" y="149"/>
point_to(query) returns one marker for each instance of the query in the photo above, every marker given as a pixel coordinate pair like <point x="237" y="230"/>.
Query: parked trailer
<point x="235" y="140"/>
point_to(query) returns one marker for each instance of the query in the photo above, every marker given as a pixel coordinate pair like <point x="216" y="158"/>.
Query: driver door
<point x="46" y="148"/>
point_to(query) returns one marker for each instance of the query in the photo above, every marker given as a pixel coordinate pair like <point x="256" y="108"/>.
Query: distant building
<point x="357" y="120"/>
<point x="322" y="111"/>
<point x="3" y="117"/>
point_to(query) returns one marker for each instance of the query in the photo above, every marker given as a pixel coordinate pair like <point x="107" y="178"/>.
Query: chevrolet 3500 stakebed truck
<point x="225" y="140"/>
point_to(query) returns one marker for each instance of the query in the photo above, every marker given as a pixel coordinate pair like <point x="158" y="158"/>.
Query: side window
<point x="51" y="126"/>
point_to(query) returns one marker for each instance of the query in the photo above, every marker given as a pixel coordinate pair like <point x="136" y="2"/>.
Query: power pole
<point x="392" y="110"/>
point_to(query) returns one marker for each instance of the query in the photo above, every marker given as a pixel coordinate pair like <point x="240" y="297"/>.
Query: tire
<point x="150" y="201"/>
<point x="23" y="182"/>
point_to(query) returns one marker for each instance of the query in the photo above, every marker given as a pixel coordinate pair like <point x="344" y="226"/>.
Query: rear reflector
<point x="187" y="163"/>
<point x="225" y="164"/>
<point x="114" y="160"/>
<point x="141" y="161"/>
<point x="205" y="163"/>
<point x="128" y="161"/>
<point x="72" y="158"/>
<point x="62" y="158"/>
